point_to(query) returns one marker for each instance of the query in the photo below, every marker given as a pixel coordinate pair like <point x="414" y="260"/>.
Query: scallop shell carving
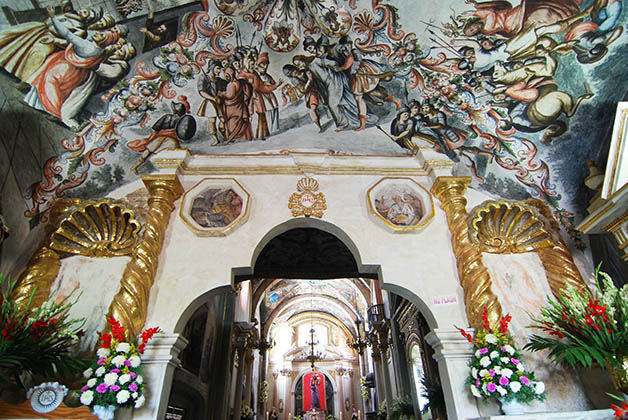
<point x="508" y="227"/>
<point x="307" y="184"/>
<point x="100" y="229"/>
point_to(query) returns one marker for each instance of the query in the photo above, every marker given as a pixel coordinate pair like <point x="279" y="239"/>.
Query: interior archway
<point x="307" y="303"/>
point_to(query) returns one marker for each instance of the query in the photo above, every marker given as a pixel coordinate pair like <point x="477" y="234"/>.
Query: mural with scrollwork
<point x="515" y="94"/>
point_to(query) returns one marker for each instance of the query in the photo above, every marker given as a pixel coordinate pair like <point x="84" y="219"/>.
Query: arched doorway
<point x="305" y="275"/>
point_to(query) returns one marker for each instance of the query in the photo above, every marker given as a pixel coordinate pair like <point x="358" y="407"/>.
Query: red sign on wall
<point x="313" y="391"/>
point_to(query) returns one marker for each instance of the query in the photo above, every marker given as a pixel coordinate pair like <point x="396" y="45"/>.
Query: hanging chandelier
<point x="313" y="357"/>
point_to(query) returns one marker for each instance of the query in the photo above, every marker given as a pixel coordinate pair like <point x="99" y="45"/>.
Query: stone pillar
<point x="341" y="393"/>
<point x="130" y="304"/>
<point x="474" y="277"/>
<point x="453" y="352"/>
<point x="382" y="344"/>
<point x="248" y="365"/>
<point x="159" y="361"/>
<point x="275" y="398"/>
<point x="288" y="397"/>
<point x="261" y="405"/>
<point x="243" y="333"/>
<point x="237" y="398"/>
<point x="379" y="379"/>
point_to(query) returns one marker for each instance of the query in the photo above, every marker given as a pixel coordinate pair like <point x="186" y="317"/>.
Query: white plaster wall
<point x="520" y="283"/>
<point x="191" y="265"/>
<point x="96" y="280"/>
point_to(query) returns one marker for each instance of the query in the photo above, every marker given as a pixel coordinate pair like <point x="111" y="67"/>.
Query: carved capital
<point x="451" y="189"/>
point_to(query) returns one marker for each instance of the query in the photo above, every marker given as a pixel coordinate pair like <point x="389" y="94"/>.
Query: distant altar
<point x="315" y="415"/>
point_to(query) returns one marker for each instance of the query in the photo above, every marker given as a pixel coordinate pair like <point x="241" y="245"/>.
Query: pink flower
<point x="514" y="361"/>
<point x="133" y="387"/>
<point x="502" y="348"/>
<point x="127" y="362"/>
<point x="85" y="388"/>
<point x="504" y="381"/>
<point x="115" y="370"/>
<point x="102" y="388"/>
<point x="524" y="380"/>
<point x="491" y="372"/>
<point x="477" y="382"/>
<point x="102" y="361"/>
<point x="483" y="350"/>
<point x="133" y="375"/>
<point x="114" y="388"/>
<point x="491" y="387"/>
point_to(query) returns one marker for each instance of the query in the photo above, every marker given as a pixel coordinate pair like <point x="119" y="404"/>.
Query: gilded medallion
<point x="307" y="202"/>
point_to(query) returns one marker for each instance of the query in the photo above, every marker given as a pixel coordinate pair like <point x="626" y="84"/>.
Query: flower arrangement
<point x="587" y="328"/>
<point x="38" y="340"/>
<point x="113" y="378"/>
<point x="247" y="412"/>
<point x="496" y="368"/>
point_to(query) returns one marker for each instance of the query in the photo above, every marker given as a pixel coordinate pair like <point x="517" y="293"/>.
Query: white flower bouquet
<point x="496" y="370"/>
<point x="114" y="378"/>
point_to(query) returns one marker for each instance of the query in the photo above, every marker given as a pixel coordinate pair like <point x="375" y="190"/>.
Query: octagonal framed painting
<point x="400" y="204"/>
<point x="215" y="206"/>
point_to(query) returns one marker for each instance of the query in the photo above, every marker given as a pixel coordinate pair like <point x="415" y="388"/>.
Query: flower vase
<point x="511" y="408"/>
<point x="619" y="373"/>
<point x="104" y="412"/>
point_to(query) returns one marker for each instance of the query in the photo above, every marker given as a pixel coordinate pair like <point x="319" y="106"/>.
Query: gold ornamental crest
<point x="307" y="202"/>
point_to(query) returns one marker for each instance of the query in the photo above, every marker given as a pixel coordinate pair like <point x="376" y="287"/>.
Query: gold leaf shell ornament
<point x="307" y="184"/>
<point x="307" y="202"/>
<point x="508" y="227"/>
<point x="97" y="229"/>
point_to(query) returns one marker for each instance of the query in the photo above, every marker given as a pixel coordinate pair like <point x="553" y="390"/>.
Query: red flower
<point x="106" y="340"/>
<point x="620" y="412"/>
<point x="503" y="324"/>
<point x="117" y="330"/>
<point x="485" y="319"/>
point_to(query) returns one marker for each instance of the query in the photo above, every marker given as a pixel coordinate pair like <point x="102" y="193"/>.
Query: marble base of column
<point x="453" y="352"/>
<point x="159" y="361"/>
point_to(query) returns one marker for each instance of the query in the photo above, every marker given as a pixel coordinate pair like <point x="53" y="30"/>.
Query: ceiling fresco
<point x="518" y="94"/>
<point x="282" y="298"/>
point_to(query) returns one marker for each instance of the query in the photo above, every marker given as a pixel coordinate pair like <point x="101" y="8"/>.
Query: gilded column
<point x="130" y="304"/>
<point x="43" y="267"/>
<point x="560" y="268"/>
<point x="474" y="277"/>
